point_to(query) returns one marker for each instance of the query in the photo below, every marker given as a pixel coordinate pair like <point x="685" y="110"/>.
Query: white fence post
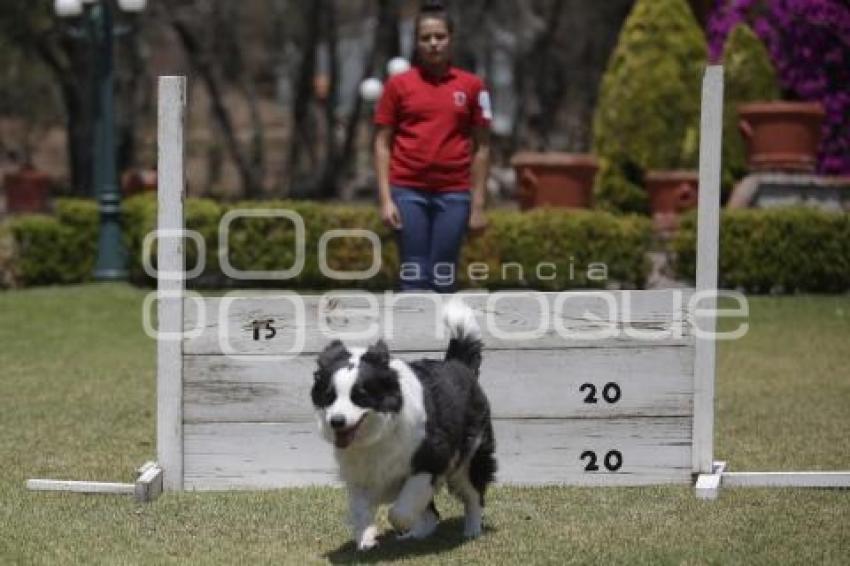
<point x="170" y="280"/>
<point x="708" y="230"/>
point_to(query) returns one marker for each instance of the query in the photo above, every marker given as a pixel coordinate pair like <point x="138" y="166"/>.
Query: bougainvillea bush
<point x="809" y="43"/>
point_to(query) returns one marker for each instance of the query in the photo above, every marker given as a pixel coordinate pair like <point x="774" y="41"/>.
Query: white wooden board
<point x="535" y="383"/>
<point x="531" y="452"/>
<point x="411" y="322"/>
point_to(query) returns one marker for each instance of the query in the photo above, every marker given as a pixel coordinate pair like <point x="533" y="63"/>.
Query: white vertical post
<point x="170" y="280"/>
<point x="708" y="234"/>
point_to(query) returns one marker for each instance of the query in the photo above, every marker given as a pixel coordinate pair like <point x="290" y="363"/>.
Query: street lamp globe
<point x="68" y="8"/>
<point x="370" y="89"/>
<point x="132" y="5"/>
<point x="397" y="65"/>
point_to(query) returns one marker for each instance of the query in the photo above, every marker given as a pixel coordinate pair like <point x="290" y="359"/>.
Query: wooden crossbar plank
<point x="573" y="382"/>
<point x="237" y="324"/>
<point x="81" y="486"/>
<point x="786" y="479"/>
<point x="531" y="452"/>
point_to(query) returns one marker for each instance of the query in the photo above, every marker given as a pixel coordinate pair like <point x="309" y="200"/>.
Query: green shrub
<point x="82" y="217"/>
<point x="9" y="276"/>
<point x="551" y="249"/>
<point x="750" y="76"/>
<point x="139" y="218"/>
<point x="56" y="249"/>
<point x="775" y="250"/>
<point x="585" y="249"/>
<point x="647" y="116"/>
<point x="270" y="244"/>
<point x="46" y="253"/>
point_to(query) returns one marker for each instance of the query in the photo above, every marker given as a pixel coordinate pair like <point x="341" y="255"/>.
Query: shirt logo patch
<point x="460" y="98"/>
<point x="484" y="103"/>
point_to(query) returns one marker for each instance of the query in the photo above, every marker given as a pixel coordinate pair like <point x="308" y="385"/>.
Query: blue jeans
<point x="433" y="227"/>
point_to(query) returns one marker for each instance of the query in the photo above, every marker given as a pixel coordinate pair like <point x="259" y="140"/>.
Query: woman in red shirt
<point x="432" y="156"/>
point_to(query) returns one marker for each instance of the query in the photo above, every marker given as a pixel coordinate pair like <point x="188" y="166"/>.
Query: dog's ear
<point x="332" y="354"/>
<point x="377" y="355"/>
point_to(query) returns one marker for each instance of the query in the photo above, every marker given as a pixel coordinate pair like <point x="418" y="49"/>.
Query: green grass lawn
<point x="77" y="402"/>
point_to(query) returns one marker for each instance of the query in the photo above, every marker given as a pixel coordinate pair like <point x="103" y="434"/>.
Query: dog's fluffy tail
<point x="465" y="335"/>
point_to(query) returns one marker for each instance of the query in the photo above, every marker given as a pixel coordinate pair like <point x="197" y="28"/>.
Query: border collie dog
<point x="402" y="430"/>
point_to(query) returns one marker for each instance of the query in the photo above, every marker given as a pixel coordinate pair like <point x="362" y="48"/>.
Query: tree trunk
<point x="385" y="45"/>
<point x="328" y="180"/>
<point x="302" y="116"/>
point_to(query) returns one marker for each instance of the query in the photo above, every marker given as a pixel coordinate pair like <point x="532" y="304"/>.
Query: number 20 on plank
<point x="613" y="460"/>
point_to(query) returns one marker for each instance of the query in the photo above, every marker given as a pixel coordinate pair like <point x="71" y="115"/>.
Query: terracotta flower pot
<point x="27" y="190"/>
<point x="781" y="136"/>
<point x="670" y="194"/>
<point x="554" y="179"/>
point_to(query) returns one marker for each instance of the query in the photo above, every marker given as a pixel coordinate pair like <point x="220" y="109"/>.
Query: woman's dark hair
<point x="430" y="9"/>
<point x="433" y="9"/>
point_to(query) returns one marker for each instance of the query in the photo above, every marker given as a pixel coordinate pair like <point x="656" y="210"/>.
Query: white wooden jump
<point x="618" y="408"/>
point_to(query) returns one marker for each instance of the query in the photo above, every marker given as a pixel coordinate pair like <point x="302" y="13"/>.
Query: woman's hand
<point x="477" y="220"/>
<point x="390" y="215"/>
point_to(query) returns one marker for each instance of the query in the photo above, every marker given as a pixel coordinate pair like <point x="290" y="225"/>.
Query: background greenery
<point x="62" y="249"/>
<point x="761" y="251"/>
<point x="786" y="250"/>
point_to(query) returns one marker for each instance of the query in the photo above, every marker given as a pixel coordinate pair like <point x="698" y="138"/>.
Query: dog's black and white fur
<point x="401" y="430"/>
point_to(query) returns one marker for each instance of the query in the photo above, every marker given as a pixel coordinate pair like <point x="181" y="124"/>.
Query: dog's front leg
<point x="363" y="507"/>
<point x="412" y="502"/>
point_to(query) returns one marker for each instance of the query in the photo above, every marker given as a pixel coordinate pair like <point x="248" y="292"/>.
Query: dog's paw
<point x="472" y="529"/>
<point x="368" y="539"/>
<point x="423" y="528"/>
<point x="400" y="519"/>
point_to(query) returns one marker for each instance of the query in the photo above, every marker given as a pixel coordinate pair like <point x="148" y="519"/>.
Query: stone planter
<point x="781" y="136"/>
<point x="27" y="190"/>
<point x="670" y="194"/>
<point x="554" y="179"/>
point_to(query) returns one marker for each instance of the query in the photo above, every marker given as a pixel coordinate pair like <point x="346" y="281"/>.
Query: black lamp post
<point x="111" y="255"/>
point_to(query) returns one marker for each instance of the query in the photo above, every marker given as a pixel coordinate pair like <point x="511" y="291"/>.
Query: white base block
<point x="708" y="485"/>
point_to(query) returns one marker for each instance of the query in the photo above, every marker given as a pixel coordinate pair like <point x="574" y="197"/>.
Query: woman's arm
<point x="383" y="145"/>
<point x="480" y="171"/>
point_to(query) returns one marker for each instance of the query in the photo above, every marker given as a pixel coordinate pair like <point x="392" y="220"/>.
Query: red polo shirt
<point x="433" y="120"/>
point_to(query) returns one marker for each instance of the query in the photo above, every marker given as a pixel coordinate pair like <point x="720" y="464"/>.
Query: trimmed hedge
<point x="559" y="250"/>
<point x="545" y="249"/>
<point x="774" y="251"/>
<point x="778" y="250"/>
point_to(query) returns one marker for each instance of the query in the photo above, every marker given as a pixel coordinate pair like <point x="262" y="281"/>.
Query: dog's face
<point x="356" y="394"/>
